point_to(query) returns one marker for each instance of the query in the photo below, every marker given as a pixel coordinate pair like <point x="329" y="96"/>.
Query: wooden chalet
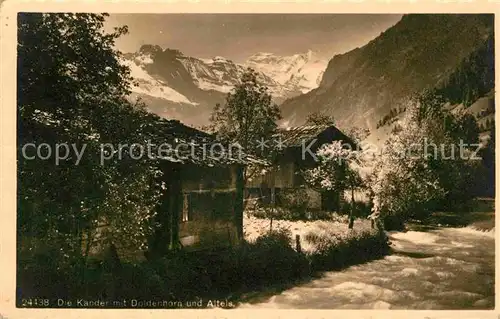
<point x="299" y="143"/>
<point x="202" y="202"/>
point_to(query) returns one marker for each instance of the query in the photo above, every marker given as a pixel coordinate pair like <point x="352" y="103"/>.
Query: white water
<point x="448" y="268"/>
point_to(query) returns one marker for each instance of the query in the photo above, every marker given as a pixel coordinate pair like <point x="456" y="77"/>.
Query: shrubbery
<point x="335" y="251"/>
<point x="425" y="166"/>
<point x="280" y="213"/>
<point x="296" y="202"/>
<point x="291" y="204"/>
<point x="361" y="208"/>
<point x="269" y="260"/>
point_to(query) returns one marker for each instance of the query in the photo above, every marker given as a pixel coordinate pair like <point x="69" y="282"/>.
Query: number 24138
<point x="35" y="302"/>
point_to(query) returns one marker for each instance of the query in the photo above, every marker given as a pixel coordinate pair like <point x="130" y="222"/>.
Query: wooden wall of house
<point x="281" y="175"/>
<point x="208" y="203"/>
<point x="196" y="178"/>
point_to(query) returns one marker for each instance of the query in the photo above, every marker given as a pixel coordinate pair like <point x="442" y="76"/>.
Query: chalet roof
<point x="296" y="136"/>
<point x="198" y="147"/>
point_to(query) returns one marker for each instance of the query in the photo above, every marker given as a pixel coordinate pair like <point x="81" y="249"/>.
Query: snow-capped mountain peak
<point x="221" y="59"/>
<point x="148" y="85"/>
<point x="301" y="71"/>
<point x="174" y="83"/>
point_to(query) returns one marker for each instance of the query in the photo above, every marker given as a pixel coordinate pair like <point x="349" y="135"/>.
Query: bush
<point x="185" y="274"/>
<point x="281" y="238"/>
<point x="296" y="201"/>
<point x="336" y="251"/>
<point x="140" y="281"/>
<point x="345" y="208"/>
<point x="394" y="222"/>
<point x="280" y="213"/>
<point x="271" y="259"/>
<point x="40" y="275"/>
<point x="321" y="215"/>
<point x="361" y="208"/>
<point x="271" y="212"/>
<point x="291" y="204"/>
<point x="218" y="273"/>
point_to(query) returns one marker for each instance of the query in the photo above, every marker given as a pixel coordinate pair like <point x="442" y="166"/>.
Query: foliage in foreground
<point x="78" y="96"/>
<point x="426" y="164"/>
<point x="270" y="260"/>
<point x="335" y="251"/>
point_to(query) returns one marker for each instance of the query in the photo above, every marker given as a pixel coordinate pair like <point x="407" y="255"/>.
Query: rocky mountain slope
<point x="361" y="86"/>
<point x="185" y="88"/>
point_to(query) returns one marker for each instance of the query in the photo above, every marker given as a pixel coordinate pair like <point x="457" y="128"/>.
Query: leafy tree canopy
<point x="72" y="89"/>
<point x="248" y="116"/>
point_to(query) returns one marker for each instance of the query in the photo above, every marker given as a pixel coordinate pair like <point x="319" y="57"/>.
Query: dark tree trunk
<point x="111" y="259"/>
<point x="330" y="200"/>
<point x="351" y="213"/>
<point x="298" y="247"/>
<point x="351" y="221"/>
<point x="273" y="205"/>
<point x="238" y="205"/>
<point x="112" y="267"/>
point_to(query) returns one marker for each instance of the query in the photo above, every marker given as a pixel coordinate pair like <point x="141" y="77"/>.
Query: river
<point x="442" y="268"/>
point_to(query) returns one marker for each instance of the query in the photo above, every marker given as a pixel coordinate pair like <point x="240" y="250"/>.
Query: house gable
<point x="299" y="145"/>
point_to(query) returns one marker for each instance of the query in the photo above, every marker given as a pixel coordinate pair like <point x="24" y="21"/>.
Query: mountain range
<point x="360" y="88"/>
<point x="177" y="86"/>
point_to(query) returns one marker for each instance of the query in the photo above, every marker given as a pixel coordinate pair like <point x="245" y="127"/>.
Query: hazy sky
<point x="237" y="36"/>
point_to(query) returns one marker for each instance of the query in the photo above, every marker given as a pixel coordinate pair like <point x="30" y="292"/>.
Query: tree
<point x="337" y="170"/>
<point x="425" y="164"/>
<point x="401" y="183"/>
<point x="72" y="89"/>
<point x="247" y="116"/>
<point x="318" y="118"/>
<point x="247" y="119"/>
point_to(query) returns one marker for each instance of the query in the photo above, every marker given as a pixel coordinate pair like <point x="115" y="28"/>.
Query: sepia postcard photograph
<point x="254" y="161"/>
